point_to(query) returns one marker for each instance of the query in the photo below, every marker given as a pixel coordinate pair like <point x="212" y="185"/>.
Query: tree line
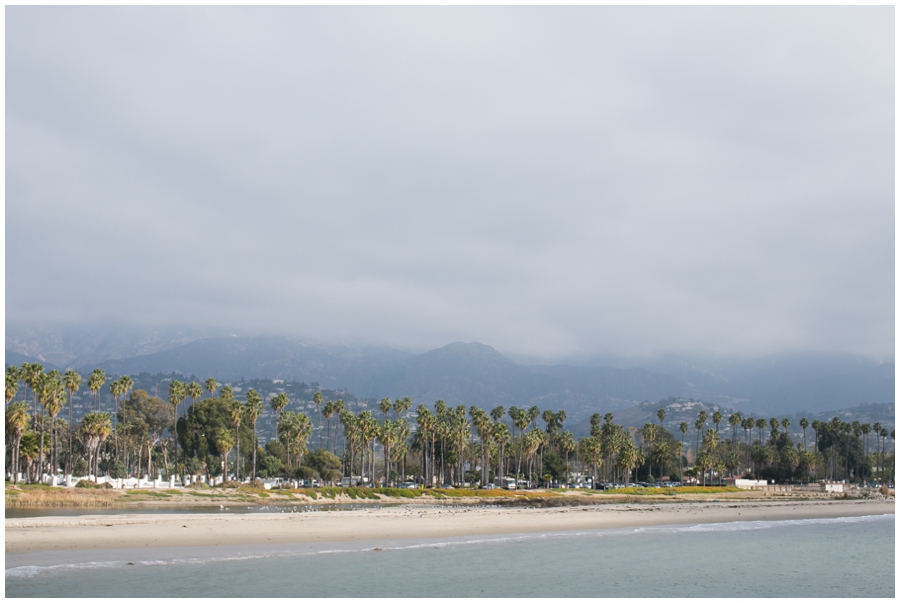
<point x="216" y="436"/>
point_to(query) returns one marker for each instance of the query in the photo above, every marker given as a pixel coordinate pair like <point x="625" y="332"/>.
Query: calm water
<point x="844" y="557"/>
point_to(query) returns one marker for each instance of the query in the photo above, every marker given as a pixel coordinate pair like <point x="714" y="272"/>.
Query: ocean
<point x="840" y="557"/>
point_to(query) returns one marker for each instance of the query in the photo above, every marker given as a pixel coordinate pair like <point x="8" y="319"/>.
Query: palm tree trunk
<point x="255" y="446"/>
<point x="41" y="455"/>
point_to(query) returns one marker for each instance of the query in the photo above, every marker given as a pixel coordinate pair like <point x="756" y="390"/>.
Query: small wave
<point x="740" y="526"/>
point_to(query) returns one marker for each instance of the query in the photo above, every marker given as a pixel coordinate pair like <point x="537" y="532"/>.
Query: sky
<point x="545" y="180"/>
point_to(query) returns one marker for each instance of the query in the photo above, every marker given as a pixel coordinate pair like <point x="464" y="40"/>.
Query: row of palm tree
<point x="444" y="444"/>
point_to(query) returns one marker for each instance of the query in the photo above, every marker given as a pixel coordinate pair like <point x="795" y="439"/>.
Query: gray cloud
<point x="546" y="180"/>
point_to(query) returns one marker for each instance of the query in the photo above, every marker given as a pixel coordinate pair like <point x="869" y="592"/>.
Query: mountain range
<point x="473" y="373"/>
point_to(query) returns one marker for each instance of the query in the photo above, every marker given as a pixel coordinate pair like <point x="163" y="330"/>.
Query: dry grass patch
<point x="46" y="497"/>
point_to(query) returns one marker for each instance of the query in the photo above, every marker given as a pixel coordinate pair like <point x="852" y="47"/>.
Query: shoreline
<point x="408" y="521"/>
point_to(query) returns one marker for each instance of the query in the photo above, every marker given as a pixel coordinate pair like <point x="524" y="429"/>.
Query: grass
<point x="42" y="496"/>
<point x="152" y="493"/>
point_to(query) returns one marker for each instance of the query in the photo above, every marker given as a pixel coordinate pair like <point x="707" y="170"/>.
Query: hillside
<point x="473" y="373"/>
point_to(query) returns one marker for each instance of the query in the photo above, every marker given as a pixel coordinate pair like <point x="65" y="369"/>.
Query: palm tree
<point x="630" y="456"/>
<point x="717" y="418"/>
<point x="211" y="386"/>
<point x="734" y="419"/>
<point x="127" y="384"/>
<point x="278" y="402"/>
<point x="29" y="449"/>
<point x="386" y="434"/>
<point x="402" y="405"/>
<point x="32" y="377"/>
<point x="699" y="424"/>
<point x="425" y="423"/>
<point x="567" y="445"/>
<point x="804" y="424"/>
<point x="193" y="390"/>
<point x="500" y="432"/>
<point x="116" y="388"/>
<point x="760" y="425"/>
<point x="254" y="407"/>
<point x="176" y="395"/>
<point x="348" y="421"/>
<point x="385" y="405"/>
<point x="520" y="420"/>
<point x="785" y="423"/>
<point x="816" y="425"/>
<point x="648" y="434"/>
<point x="12" y="383"/>
<point x="328" y="412"/>
<point x="16" y="422"/>
<point x="318" y="399"/>
<point x="224" y="442"/>
<point x="235" y="413"/>
<point x="72" y="382"/>
<point x="54" y="404"/>
<point x="96" y="428"/>
<point x="95" y="382"/>
<point x="482" y="422"/>
<point x="682" y="427"/>
<point x="44" y="389"/>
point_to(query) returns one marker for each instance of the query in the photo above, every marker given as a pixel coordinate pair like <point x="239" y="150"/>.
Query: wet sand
<point x="408" y="521"/>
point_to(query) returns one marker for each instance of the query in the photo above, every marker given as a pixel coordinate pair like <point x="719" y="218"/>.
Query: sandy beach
<point x="408" y="521"/>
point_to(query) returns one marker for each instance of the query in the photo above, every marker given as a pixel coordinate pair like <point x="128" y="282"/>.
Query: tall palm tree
<point x="72" y="382"/>
<point x="211" y="386"/>
<point x="717" y="418"/>
<point x="95" y="382"/>
<point x="117" y="388"/>
<point x="402" y="405"/>
<point x="760" y="425"/>
<point x="278" y="402"/>
<point x="630" y="456"/>
<point x="328" y="412"/>
<point x="816" y="426"/>
<point x="176" y="395"/>
<point x="193" y="390"/>
<point x="45" y="390"/>
<point x="96" y="428"/>
<point x="734" y="419"/>
<point x="699" y="424"/>
<point x="682" y="427"/>
<point x="482" y="422"/>
<point x="235" y="413"/>
<point x="318" y="399"/>
<point x="55" y="402"/>
<point x="254" y="407"/>
<point x="385" y="405"/>
<point x="16" y="422"/>
<point x="804" y="424"/>
<point x="567" y="445"/>
<point x="386" y="435"/>
<point x="32" y="377"/>
<point x="648" y="435"/>
<point x="348" y="421"/>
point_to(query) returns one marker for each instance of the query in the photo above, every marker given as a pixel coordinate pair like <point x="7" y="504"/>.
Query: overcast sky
<point x="544" y="180"/>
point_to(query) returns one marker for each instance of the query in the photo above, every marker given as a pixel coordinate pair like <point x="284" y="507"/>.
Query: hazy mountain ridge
<point x="473" y="373"/>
